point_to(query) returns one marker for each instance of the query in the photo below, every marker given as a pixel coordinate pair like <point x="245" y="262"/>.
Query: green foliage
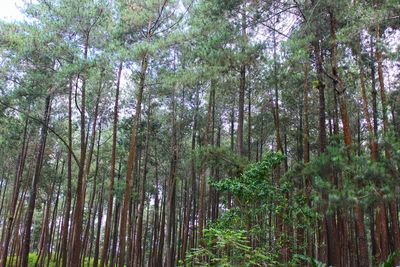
<point x="257" y="191"/>
<point x="364" y="181"/>
<point x="254" y="182"/>
<point x="33" y="257"/>
<point x="391" y="260"/>
<point x="312" y="261"/>
<point x="225" y="247"/>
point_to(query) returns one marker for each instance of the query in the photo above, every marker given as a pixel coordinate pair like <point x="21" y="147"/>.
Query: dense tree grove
<point x="200" y="133"/>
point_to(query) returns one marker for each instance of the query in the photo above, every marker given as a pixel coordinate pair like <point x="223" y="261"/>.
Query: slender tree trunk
<point x="94" y="192"/>
<point x="358" y="212"/>
<point x="322" y="138"/>
<point x="113" y="252"/>
<point x="65" y="227"/>
<point x="53" y="222"/>
<point x="162" y="228"/>
<point x="139" y="217"/>
<point x="35" y="182"/>
<point x="88" y="165"/>
<point x="171" y="195"/>
<point x="306" y="157"/>
<point x="107" y="229"/>
<point x="131" y="162"/>
<point x="249" y="126"/>
<point x="383" y="245"/>
<point x="99" y="223"/>
<point x="154" y="252"/>
<point x="202" y="193"/>
<point x="193" y="190"/>
<point x="80" y="200"/>
<point x="242" y="90"/>
<point x="14" y="200"/>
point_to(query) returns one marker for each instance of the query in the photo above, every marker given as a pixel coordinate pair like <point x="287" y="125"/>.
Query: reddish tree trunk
<point x="107" y="230"/>
<point x="131" y="162"/>
<point x="35" y="182"/>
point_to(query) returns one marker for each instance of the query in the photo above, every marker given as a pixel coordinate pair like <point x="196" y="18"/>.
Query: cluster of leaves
<point x="225" y="247"/>
<point x="257" y="191"/>
<point x="253" y="182"/>
<point x="363" y="181"/>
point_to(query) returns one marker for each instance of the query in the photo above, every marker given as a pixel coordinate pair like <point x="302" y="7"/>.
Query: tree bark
<point x="139" y="216"/>
<point x="35" y="182"/>
<point x="131" y="161"/>
<point x="14" y="200"/>
<point x="358" y="212"/>
<point x="107" y="229"/>
<point x="80" y="200"/>
<point x="383" y="236"/>
<point x="171" y="194"/>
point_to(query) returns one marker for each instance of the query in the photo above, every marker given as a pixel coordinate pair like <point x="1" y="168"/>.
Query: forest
<point x="200" y="133"/>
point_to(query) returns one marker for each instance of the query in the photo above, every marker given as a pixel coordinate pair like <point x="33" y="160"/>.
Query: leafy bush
<point x="225" y="247"/>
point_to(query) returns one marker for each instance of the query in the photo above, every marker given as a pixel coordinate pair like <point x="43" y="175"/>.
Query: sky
<point x="9" y="9"/>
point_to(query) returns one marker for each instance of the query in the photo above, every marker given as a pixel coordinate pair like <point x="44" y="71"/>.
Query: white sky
<point x="9" y="9"/>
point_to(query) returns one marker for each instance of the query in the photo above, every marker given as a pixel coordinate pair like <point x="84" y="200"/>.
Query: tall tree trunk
<point x="383" y="245"/>
<point x="68" y="197"/>
<point x="113" y="253"/>
<point x="107" y="229"/>
<point x="162" y="228"/>
<point x="193" y="190"/>
<point x="322" y="138"/>
<point x="53" y="222"/>
<point x="202" y="192"/>
<point x="80" y="200"/>
<point x="15" y="193"/>
<point x="242" y="89"/>
<point x="131" y="162"/>
<point x="306" y="159"/>
<point x="154" y="252"/>
<point x="139" y="217"/>
<point x="35" y="182"/>
<point x="171" y="194"/>
<point x="99" y="224"/>
<point x="279" y="226"/>
<point x="94" y="192"/>
<point x="89" y="163"/>
<point x="358" y="212"/>
<point x="249" y="126"/>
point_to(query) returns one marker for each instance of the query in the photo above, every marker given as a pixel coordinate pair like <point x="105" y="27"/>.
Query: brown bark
<point x="242" y="88"/>
<point x="306" y="159"/>
<point x="171" y="195"/>
<point x="139" y="217"/>
<point x="202" y="189"/>
<point x="383" y="236"/>
<point x="53" y="222"/>
<point x="249" y="125"/>
<point x="159" y="259"/>
<point x="99" y="223"/>
<point x="14" y="200"/>
<point x="153" y="255"/>
<point x="358" y="212"/>
<point x="131" y="161"/>
<point x="113" y="251"/>
<point x="79" y="204"/>
<point x="67" y="208"/>
<point x="88" y="165"/>
<point x="94" y="191"/>
<point x="107" y="230"/>
<point x="35" y="182"/>
<point x="193" y="174"/>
